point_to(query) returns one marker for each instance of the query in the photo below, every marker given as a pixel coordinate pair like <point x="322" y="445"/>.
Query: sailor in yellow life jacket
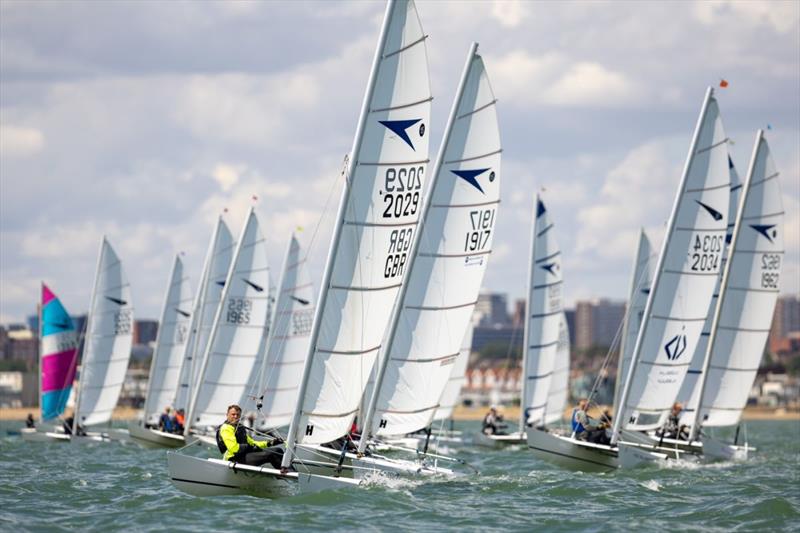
<point x="237" y="446"/>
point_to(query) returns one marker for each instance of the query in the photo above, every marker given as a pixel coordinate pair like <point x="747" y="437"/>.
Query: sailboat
<point x="366" y="264"/>
<point x="107" y="349"/>
<point x="289" y="334"/>
<point x="173" y="331"/>
<point x="58" y="359"/>
<point x="449" y="259"/>
<point x="543" y="311"/>
<point x="742" y="318"/>
<point x="676" y="309"/>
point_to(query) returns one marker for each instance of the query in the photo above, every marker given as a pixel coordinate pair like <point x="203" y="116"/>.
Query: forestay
<point x="559" y="384"/>
<point x="215" y="270"/>
<point x="109" y="336"/>
<point x="173" y="329"/>
<point x="287" y="348"/>
<point x="458" y="378"/>
<point x="685" y="278"/>
<point x="748" y="300"/>
<point x="543" y="314"/>
<point x="375" y="227"/>
<point x="446" y="273"/>
<point x="689" y="395"/>
<point x="58" y="347"/>
<point x="641" y="281"/>
<point x="239" y="326"/>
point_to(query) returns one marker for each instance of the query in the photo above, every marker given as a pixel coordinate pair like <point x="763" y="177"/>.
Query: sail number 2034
<point x="481" y="224"/>
<point x="706" y="252"/>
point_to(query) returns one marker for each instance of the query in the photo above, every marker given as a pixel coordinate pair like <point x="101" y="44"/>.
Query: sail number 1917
<point x="481" y="224"/>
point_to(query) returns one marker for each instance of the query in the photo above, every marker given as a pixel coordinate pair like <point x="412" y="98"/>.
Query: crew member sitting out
<point x="493" y="423"/>
<point x="165" y="421"/>
<point x="673" y="428"/>
<point x="179" y="421"/>
<point x="586" y="428"/>
<point x="29" y="423"/>
<point x="237" y="446"/>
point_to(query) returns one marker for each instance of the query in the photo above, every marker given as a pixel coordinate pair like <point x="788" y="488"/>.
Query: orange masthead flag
<point x="723" y="83"/>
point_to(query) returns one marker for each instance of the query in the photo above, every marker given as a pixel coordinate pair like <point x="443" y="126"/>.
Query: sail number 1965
<point x="482" y="222"/>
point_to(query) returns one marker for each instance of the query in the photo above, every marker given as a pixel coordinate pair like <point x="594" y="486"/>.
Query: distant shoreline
<point x="460" y="413"/>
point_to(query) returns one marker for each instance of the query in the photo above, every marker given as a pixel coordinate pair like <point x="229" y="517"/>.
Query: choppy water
<point x="113" y="487"/>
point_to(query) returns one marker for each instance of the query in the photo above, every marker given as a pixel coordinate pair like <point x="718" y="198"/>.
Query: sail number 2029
<point x="402" y="187"/>
<point x="482" y="221"/>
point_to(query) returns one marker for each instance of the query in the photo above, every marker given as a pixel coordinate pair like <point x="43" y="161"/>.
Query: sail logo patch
<point x="258" y="288"/>
<point x="182" y="313"/>
<point x="675" y="347"/>
<point x="471" y="176"/>
<point x="767" y="230"/>
<point x="551" y="268"/>
<point x="301" y="301"/>
<point x="711" y="211"/>
<point x="540" y="209"/>
<point x="116" y="300"/>
<point x="400" y="127"/>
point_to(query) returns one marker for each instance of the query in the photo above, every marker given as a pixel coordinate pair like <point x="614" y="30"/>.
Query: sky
<point x="143" y="121"/>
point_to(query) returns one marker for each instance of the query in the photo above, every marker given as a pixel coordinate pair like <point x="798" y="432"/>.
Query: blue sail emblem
<point x="399" y="127"/>
<point x="711" y="211"/>
<point x="471" y="176"/>
<point x="550" y="267"/>
<point x="764" y="229"/>
<point x="675" y="347"/>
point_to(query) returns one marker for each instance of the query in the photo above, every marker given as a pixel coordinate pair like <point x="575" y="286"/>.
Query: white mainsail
<point x="447" y="265"/>
<point x="375" y="227"/>
<point x="458" y="378"/>
<point x="107" y="345"/>
<point x="749" y="293"/>
<point x="684" y="281"/>
<point x="173" y="330"/>
<point x="206" y="302"/>
<point x="239" y="326"/>
<point x="544" y="308"/>
<point x="287" y="347"/>
<point x="559" y="383"/>
<point x="641" y="281"/>
<point x="689" y="394"/>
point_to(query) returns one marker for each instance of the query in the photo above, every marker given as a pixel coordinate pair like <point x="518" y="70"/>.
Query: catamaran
<point x="741" y="319"/>
<point x="676" y="309"/>
<point x="366" y="264"/>
<point x="173" y="331"/>
<point x="58" y="360"/>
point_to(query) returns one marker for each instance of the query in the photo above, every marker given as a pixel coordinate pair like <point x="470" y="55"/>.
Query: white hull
<point x="35" y="435"/>
<point x="215" y="477"/>
<point x="571" y="453"/>
<point x="153" y="438"/>
<point x="326" y="460"/>
<point x="717" y="450"/>
<point x="498" y="441"/>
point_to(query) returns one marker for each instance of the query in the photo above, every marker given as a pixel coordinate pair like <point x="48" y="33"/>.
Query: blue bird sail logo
<point x="400" y="128"/>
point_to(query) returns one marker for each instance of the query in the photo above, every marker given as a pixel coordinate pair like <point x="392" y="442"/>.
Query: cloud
<point x="226" y="175"/>
<point x="20" y="142"/>
<point x="510" y="13"/>
<point x="780" y="16"/>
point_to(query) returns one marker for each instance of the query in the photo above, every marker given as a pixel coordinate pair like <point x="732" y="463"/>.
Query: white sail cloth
<point x="544" y="310"/>
<point x="643" y="270"/>
<point x="239" y="326"/>
<point x="215" y="270"/>
<point x="458" y="378"/>
<point x="107" y="346"/>
<point x="689" y="395"/>
<point x="748" y="300"/>
<point x="559" y="384"/>
<point x="376" y="225"/>
<point x="173" y="330"/>
<point x="685" y="278"/>
<point x="287" y="348"/>
<point x="451" y="259"/>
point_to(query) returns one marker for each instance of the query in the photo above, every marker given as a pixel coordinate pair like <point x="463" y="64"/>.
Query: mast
<point x="153" y="361"/>
<point x="337" y="232"/>
<point x="89" y="319"/>
<point x="41" y="374"/>
<point x="526" y="324"/>
<point x="399" y="302"/>
<point x="724" y="286"/>
<point x="215" y="324"/>
<point x="657" y="277"/>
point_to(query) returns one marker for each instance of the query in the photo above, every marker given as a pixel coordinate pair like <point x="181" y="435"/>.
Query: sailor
<point x="165" y="421"/>
<point x="180" y="420"/>
<point x="237" y="446"/>
<point x="29" y="423"/>
<point x="673" y="428"/>
<point x="68" y="423"/>
<point x="493" y="422"/>
<point x="586" y="428"/>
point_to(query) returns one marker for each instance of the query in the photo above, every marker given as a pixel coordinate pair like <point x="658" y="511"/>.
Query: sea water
<point x="104" y="487"/>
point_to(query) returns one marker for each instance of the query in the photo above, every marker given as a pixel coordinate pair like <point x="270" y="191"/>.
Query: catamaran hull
<point x="714" y="449"/>
<point x="33" y="435"/>
<point x="153" y="438"/>
<point x="572" y="454"/>
<point x="215" y="477"/>
<point x="326" y="460"/>
<point x="498" y="441"/>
